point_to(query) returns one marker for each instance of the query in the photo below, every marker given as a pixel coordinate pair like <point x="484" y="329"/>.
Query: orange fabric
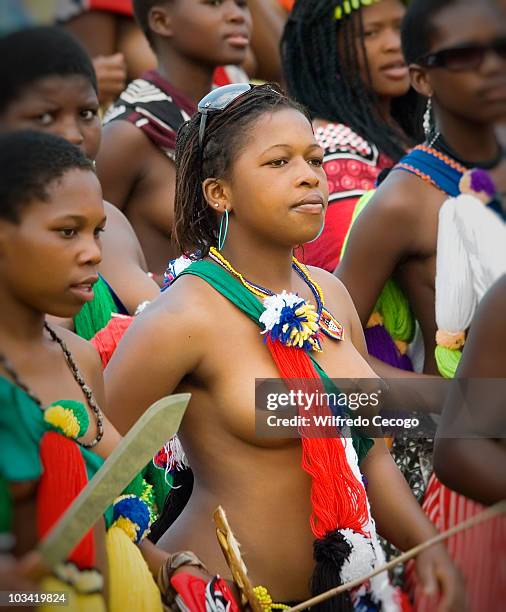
<point x="287" y="4"/>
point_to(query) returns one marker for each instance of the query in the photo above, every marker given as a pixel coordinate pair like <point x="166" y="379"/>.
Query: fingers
<point x="427" y="577"/>
<point x="452" y="589"/>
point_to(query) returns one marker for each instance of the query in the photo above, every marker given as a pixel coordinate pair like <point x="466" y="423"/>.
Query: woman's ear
<point x="160" y="21"/>
<point x="420" y="80"/>
<point x="216" y="194"/>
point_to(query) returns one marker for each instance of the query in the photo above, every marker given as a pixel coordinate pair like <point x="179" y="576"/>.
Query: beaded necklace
<point x="88" y="393"/>
<point x="327" y="322"/>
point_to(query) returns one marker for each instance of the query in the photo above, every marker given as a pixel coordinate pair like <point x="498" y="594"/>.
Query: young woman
<point x="50" y="86"/>
<point x="54" y="433"/>
<point x="249" y="164"/>
<point x="436" y="223"/>
<point x="136" y="161"/>
<point x="343" y="61"/>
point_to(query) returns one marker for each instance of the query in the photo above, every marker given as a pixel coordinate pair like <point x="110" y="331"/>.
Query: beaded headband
<point x="346" y="7"/>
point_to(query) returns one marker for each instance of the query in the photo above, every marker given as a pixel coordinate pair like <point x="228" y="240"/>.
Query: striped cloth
<point x="479" y="552"/>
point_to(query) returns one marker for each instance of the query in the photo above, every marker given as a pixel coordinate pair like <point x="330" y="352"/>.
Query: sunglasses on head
<point x="222" y="97"/>
<point x="218" y="100"/>
<point x="465" y="57"/>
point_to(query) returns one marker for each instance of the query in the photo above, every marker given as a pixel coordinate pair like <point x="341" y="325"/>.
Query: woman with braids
<point x="343" y="61"/>
<point x="250" y="186"/>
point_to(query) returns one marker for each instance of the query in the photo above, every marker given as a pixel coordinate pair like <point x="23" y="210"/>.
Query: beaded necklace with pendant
<point x="327" y="322"/>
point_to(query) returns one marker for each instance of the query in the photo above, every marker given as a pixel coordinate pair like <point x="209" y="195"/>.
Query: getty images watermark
<point x="419" y="408"/>
<point x="315" y="413"/>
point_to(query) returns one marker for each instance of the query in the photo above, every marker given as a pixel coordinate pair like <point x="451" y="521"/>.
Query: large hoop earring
<point x="319" y="233"/>
<point x="222" y="236"/>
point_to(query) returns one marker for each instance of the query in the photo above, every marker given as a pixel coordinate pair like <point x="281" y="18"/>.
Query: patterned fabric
<point x="352" y="166"/>
<point x="479" y="552"/>
<point x="155" y="107"/>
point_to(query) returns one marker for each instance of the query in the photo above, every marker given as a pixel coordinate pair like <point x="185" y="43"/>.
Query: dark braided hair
<point x="195" y="224"/>
<point x="329" y="84"/>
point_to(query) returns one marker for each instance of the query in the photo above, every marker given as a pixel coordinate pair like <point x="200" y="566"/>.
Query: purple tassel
<point x="381" y="346"/>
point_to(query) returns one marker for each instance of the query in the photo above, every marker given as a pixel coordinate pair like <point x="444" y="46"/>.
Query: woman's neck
<point x="20" y="323"/>
<point x="470" y="141"/>
<point x="265" y="265"/>
<point x="191" y="78"/>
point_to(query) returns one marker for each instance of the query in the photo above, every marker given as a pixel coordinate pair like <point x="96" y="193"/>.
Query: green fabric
<point x="447" y="361"/>
<point x="95" y="315"/>
<point x="22" y="426"/>
<point x="161" y="487"/>
<point x="392" y="304"/>
<point x="233" y="290"/>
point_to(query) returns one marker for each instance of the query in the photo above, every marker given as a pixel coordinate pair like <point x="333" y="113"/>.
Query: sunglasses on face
<point x="465" y="57"/>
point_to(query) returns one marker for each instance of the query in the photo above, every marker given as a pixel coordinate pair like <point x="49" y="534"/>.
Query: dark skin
<point x="475" y="467"/>
<point x="274" y="170"/>
<point x="64" y="249"/>
<point x="403" y="215"/>
<point x="67" y="106"/>
<point x="45" y="258"/>
<point x="192" y="39"/>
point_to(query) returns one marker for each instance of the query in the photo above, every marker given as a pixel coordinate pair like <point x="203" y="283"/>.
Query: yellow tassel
<point x="375" y="319"/>
<point x="131" y="585"/>
<point x="402" y="346"/>
<point x="128" y="527"/>
<point x="64" y="419"/>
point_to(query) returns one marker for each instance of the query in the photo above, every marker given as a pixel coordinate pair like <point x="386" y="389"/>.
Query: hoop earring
<point x="319" y="233"/>
<point x="222" y="235"/>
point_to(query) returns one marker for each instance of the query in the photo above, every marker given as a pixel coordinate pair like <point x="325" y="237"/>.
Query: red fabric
<point x="192" y="589"/>
<point x="352" y="166"/>
<point x="124" y="7"/>
<point x="220" y="77"/>
<point x="64" y="476"/>
<point x="325" y="252"/>
<point x="107" y="339"/>
<point x="338" y="500"/>
<point x="479" y="552"/>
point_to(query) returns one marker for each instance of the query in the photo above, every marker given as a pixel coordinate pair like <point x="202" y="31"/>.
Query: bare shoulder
<point x="397" y="199"/>
<point x="188" y="308"/>
<point x="337" y="297"/>
<point x="119" y="236"/>
<point x="83" y="352"/>
<point x="124" y="142"/>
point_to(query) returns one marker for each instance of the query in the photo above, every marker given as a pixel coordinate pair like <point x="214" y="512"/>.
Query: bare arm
<point x="474" y="467"/>
<point x="123" y="264"/>
<point x="269" y="19"/>
<point x="161" y="346"/>
<point x="383" y="234"/>
<point x="120" y="161"/>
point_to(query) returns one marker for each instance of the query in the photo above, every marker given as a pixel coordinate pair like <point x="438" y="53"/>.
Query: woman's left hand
<point x="438" y="574"/>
